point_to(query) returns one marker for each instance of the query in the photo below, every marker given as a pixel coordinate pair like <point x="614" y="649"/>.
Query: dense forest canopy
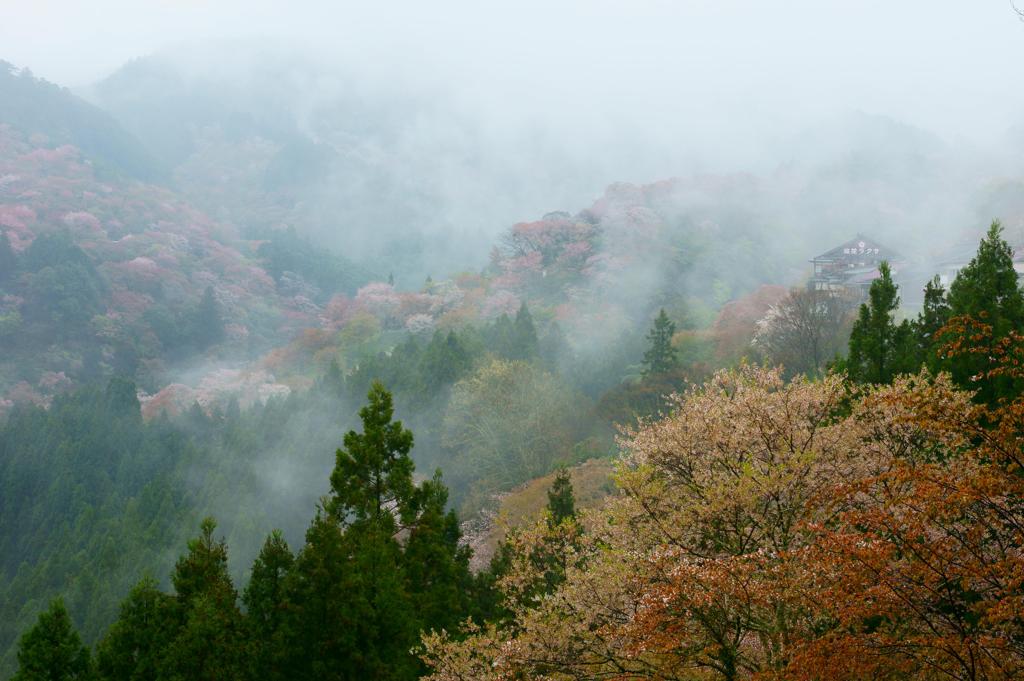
<point x="316" y="366"/>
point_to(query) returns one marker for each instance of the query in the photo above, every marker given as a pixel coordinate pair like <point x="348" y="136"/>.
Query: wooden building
<point x="852" y="266"/>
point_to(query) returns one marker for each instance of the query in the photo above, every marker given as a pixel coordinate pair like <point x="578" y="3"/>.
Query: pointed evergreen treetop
<point x="209" y="325"/>
<point x="52" y="650"/>
<point x="660" y="358"/>
<point x="524" y="336"/>
<point x="203" y="571"/>
<point x="988" y="288"/>
<point x="373" y="471"/>
<point x="561" y="501"/>
<point x="265" y="592"/>
<point x="934" y="311"/>
<point x="879" y="347"/>
<point x="8" y="259"/>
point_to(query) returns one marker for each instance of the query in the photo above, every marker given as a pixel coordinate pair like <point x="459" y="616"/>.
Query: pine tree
<point x="988" y="291"/>
<point x="660" y="358"/>
<point x="265" y="604"/>
<point x="203" y="570"/>
<point x="444" y="361"/>
<point x="208" y="643"/>
<point x="933" y="316"/>
<point x="879" y="347"/>
<point x="523" y="344"/>
<point x="561" y="501"/>
<point x="52" y="650"/>
<point x="319" y="626"/>
<point x="553" y="347"/>
<point x="121" y="397"/>
<point x="334" y="379"/>
<point x="386" y="625"/>
<point x="8" y="259"/>
<point x="988" y="288"/>
<point x="134" y="645"/>
<point x="436" y="566"/>
<point x="371" y="484"/>
<point x="500" y="337"/>
<point x="373" y="471"/>
<point x="549" y="557"/>
<point x="208" y="323"/>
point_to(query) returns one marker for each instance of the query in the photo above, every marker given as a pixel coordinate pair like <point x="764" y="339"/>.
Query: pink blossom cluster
<point x="499" y="303"/>
<point x="215" y="390"/>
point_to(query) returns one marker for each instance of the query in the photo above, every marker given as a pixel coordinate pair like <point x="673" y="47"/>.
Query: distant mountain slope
<point x="37" y="107"/>
<point x="106" y="274"/>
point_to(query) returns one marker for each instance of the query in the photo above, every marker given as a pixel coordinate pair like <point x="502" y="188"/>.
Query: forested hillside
<point x="102" y="274"/>
<point x="385" y="362"/>
<point x="761" y="526"/>
<point x="54" y="114"/>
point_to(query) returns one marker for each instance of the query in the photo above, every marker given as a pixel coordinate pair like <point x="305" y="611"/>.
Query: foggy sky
<point x="952" y="66"/>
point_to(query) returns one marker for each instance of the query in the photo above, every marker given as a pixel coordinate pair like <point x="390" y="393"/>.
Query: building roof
<point x="859" y="246"/>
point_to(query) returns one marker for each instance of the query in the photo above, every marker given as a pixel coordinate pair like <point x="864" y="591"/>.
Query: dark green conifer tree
<point x="492" y="605"/>
<point x="879" y="347"/>
<point x="373" y="471"/>
<point x="499" y="336"/>
<point x="8" y="259"/>
<point x="350" y="586"/>
<point x="988" y="291"/>
<point x="523" y="343"/>
<point x="553" y="346"/>
<point x="660" y="358"/>
<point x="933" y="316"/>
<point x="134" y="645"/>
<point x="121" y="397"/>
<point x="988" y="286"/>
<point x="437" y="568"/>
<point x="444" y="361"/>
<point x="334" y="379"/>
<point x="125" y="361"/>
<point x="208" y="323"/>
<point x="319" y="627"/>
<point x="209" y="640"/>
<point x="561" y="501"/>
<point x="52" y="649"/>
<point x="265" y="604"/>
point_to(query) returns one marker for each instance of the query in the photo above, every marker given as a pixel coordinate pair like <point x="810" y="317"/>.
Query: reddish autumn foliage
<point x="736" y="324"/>
<point x="789" y="531"/>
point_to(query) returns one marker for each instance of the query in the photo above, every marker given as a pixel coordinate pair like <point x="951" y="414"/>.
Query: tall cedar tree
<point x="548" y="558"/>
<point x="934" y="315"/>
<point x="8" y="259"/>
<point x="134" y="645"/>
<point x="373" y="471"/>
<point x="561" y="501"/>
<point x="444" y="361"/>
<point x="437" y="568"/>
<point x="500" y="336"/>
<point x="320" y="622"/>
<point x="879" y="347"/>
<point x="52" y="649"/>
<point x="209" y="326"/>
<point x="209" y="640"/>
<point x="372" y="484"/>
<point x="524" y="336"/>
<point x="265" y="605"/>
<point x="988" y="291"/>
<point x="552" y="347"/>
<point x="660" y="358"/>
